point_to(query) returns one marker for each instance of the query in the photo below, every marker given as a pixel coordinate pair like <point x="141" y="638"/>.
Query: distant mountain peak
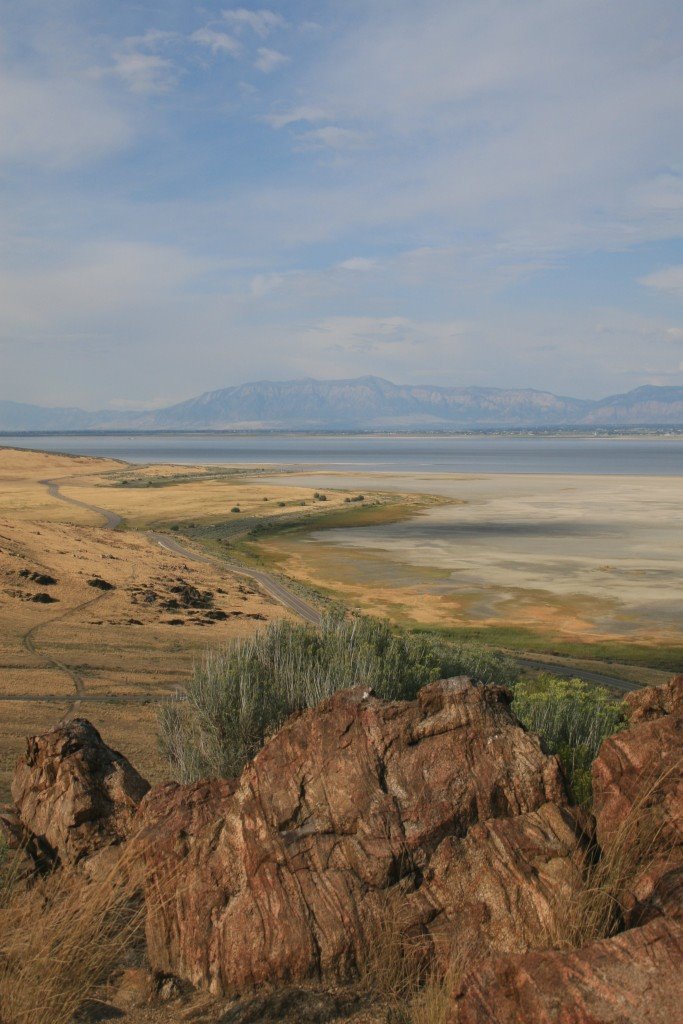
<point x="366" y="403"/>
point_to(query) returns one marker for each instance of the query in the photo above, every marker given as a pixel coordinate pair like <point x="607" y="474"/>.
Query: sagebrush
<point x="241" y="693"/>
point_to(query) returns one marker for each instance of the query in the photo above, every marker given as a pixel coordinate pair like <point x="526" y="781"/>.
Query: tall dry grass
<point x="433" y="1001"/>
<point x="642" y="840"/>
<point x="59" y="940"/>
<point x="399" y="969"/>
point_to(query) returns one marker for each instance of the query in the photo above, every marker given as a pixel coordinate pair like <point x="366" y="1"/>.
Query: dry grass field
<point x="108" y="614"/>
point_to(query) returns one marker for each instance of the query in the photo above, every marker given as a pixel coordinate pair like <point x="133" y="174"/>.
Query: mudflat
<point x="583" y="557"/>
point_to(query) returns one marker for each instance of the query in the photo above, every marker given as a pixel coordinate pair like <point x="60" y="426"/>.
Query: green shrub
<point x="235" y="508"/>
<point x="572" y="718"/>
<point x="243" y="692"/>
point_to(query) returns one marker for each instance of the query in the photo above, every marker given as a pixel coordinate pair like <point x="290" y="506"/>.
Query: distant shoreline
<point x="642" y="433"/>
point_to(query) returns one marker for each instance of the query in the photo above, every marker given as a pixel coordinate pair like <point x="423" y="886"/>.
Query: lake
<point x="372" y="453"/>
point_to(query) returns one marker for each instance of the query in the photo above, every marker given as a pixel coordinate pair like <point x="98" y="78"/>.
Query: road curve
<point x="111" y="519"/>
<point x="280" y="593"/>
<point x="267" y="582"/>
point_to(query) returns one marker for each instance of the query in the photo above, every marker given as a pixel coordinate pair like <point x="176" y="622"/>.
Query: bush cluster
<point x="243" y="692"/>
<point x="572" y="719"/>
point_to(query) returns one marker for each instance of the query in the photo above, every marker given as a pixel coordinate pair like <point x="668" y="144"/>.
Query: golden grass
<point x="611" y="875"/>
<point x="399" y="969"/>
<point x="433" y="1001"/>
<point x="60" y="940"/>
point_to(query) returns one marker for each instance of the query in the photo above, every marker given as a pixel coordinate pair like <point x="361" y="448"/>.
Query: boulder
<point x="634" y="978"/>
<point x="436" y="814"/>
<point x="73" y="794"/>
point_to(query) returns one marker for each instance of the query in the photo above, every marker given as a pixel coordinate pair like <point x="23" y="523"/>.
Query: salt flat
<point x="587" y="556"/>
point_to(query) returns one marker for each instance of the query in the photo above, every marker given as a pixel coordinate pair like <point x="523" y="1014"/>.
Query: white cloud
<point x="262" y="22"/>
<point x="296" y="114"/>
<point x="386" y="335"/>
<point x="359" y="263"/>
<point x="152" y="39"/>
<point x="269" y="60"/>
<point x="263" y="284"/>
<point x="670" y="279"/>
<point x="96" y="280"/>
<point x="331" y="136"/>
<point x="217" y="42"/>
<point x="144" y="73"/>
<point x="58" y="121"/>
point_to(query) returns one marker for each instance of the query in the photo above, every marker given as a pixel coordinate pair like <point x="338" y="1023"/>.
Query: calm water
<point x="637" y="457"/>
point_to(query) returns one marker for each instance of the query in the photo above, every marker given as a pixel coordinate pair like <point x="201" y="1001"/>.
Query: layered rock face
<point x="73" y="794"/>
<point x="637" y="976"/>
<point x="634" y="978"/>
<point x="439" y="820"/>
<point x="439" y="815"/>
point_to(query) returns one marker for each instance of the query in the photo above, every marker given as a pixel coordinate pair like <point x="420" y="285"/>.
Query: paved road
<point x="264" y="579"/>
<point x="574" y="672"/>
<point x="277" y="590"/>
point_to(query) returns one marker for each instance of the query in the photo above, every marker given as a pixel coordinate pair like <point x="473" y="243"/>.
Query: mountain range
<point x="364" y="403"/>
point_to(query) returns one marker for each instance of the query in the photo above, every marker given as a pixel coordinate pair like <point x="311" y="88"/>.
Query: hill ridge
<point x="366" y="402"/>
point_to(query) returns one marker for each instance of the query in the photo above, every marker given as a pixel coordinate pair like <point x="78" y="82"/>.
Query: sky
<point x="461" y="192"/>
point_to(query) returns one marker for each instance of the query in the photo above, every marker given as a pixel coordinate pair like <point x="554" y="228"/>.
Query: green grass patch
<point x="381" y="513"/>
<point x="665" y="657"/>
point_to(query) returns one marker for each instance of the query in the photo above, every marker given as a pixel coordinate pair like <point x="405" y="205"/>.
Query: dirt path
<point x="28" y="642"/>
<point x="111" y="521"/>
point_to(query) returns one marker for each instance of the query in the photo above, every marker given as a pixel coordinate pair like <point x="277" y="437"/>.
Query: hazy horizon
<point x="475" y="193"/>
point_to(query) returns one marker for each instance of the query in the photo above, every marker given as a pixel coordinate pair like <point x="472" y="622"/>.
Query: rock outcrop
<point x="439" y="822"/>
<point x="73" y="794"/>
<point x="437" y="814"/>
<point x="635" y="977"/>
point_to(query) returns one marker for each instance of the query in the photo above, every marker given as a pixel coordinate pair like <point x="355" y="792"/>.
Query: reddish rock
<point x="500" y="887"/>
<point x="355" y="810"/>
<point x="73" y="794"/>
<point x="638" y="793"/>
<point x="634" y="978"/>
<point x="655" y="701"/>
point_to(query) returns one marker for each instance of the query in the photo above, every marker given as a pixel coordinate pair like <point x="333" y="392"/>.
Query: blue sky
<point x="468" y="192"/>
